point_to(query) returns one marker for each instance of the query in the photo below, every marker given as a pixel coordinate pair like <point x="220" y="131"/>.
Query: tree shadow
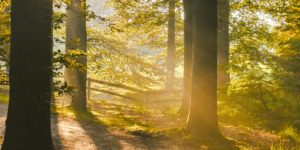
<point x="135" y="138"/>
<point x="56" y="138"/>
<point x="103" y="139"/>
<point x="97" y="131"/>
<point x="144" y="140"/>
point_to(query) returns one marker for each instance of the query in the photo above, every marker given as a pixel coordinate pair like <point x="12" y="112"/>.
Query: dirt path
<point x="3" y="110"/>
<point x="72" y="134"/>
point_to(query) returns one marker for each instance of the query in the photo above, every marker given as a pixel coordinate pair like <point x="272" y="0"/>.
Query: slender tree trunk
<point x="202" y="121"/>
<point x="188" y="41"/>
<point x="76" y="31"/>
<point x="28" y="118"/>
<point x="171" y="47"/>
<point x="223" y="42"/>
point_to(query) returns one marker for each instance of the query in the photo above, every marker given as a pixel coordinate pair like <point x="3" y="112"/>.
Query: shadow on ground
<point x="55" y="133"/>
<point x="104" y="139"/>
<point x="98" y="132"/>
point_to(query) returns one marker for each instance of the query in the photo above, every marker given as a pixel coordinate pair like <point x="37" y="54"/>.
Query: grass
<point x="280" y="146"/>
<point x="133" y="119"/>
<point x="4" y="98"/>
<point x="113" y="116"/>
<point x="289" y="132"/>
<point x="165" y="122"/>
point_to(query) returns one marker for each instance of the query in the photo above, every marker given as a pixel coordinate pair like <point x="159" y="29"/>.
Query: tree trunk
<point x="203" y="120"/>
<point x="188" y="41"/>
<point x="76" y="30"/>
<point x="223" y="42"/>
<point x="28" y="118"/>
<point x="171" y="47"/>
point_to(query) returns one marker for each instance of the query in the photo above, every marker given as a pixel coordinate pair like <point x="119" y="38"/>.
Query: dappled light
<point x="149" y="74"/>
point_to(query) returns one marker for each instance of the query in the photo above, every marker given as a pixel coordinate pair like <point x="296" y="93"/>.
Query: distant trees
<point x="171" y="47"/>
<point x="203" y="120"/>
<point x="144" y="24"/>
<point x="76" y="40"/>
<point x="264" y="57"/>
<point x="28" y="118"/>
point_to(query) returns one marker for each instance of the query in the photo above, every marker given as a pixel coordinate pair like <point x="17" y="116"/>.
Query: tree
<point x="223" y="42"/>
<point x="203" y="120"/>
<point x="171" y="47"/>
<point x="76" y="41"/>
<point x="188" y="41"/>
<point x="28" y="118"/>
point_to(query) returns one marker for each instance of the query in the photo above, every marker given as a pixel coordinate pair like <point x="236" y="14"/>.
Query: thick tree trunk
<point x="223" y="42"/>
<point x="28" y="118"/>
<point x="76" y="30"/>
<point x="188" y="41"/>
<point x="203" y="120"/>
<point x="171" y="47"/>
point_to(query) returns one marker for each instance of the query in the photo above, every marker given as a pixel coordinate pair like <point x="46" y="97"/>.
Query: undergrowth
<point x="289" y="132"/>
<point x="139" y="120"/>
<point x="280" y="146"/>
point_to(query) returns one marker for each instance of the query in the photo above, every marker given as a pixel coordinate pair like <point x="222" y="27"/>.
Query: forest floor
<point x="111" y="126"/>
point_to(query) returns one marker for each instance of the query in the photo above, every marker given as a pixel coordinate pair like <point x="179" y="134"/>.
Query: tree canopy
<point x="209" y="63"/>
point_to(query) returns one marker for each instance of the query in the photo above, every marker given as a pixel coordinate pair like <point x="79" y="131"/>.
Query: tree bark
<point x="223" y="42"/>
<point x="76" y="30"/>
<point x="171" y="47"/>
<point x="28" y="118"/>
<point x="202" y="121"/>
<point x="188" y="41"/>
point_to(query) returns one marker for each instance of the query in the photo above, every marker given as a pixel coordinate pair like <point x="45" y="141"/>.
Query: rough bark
<point x="76" y="30"/>
<point x="223" y="42"/>
<point x="188" y="40"/>
<point x="203" y="120"/>
<point x="28" y="118"/>
<point x="171" y="47"/>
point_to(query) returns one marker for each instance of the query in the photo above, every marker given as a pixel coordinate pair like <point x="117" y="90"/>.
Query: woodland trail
<point x="3" y="111"/>
<point x="72" y="134"/>
<point x="75" y="134"/>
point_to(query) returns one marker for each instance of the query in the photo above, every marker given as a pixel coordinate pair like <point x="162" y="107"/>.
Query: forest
<point x="149" y="74"/>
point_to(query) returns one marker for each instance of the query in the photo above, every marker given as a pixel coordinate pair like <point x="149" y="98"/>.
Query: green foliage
<point x="280" y="146"/>
<point x="171" y="112"/>
<point x="142" y="27"/>
<point x="66" y="60"/>
<point x="119" y="62"/>
<point x="129" y="47"/>
<point x="264" y="66"/>
<point x="289" y="132"/>
<point x="58" y="20"/>
<point x="277" y="147"/>
<point x="4" y="30"/>
<point x="64" y="88"/>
